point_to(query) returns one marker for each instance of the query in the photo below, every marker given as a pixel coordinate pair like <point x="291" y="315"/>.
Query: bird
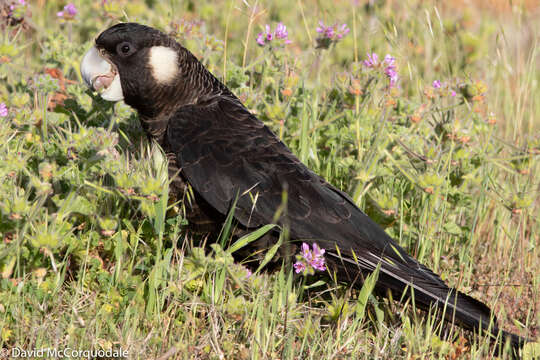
<point x="231" y="162"/>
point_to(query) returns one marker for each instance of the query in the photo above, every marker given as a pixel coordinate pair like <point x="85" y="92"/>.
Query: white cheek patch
<point x="163" y="63"/>
<point x="114" y="91"/>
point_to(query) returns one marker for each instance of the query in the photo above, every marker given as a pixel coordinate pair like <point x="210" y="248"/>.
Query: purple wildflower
<point x="333" y="32"/>
<point x="3" y="110"/>
<point x="372" y="60"/>
<point x="392" y="76"/>
<point x="389" y="64"/>
<point x="452" y="93"/>
<point x="269" y="36"/>
<point x="325" y="31"/>
<point x="437" y="84"/>
<point x="260" y="39"/>
<point x="390" y="61"/>
<point x="321" y="28"/>
<point x="280" y="33"/>
<point x="330" y="34"/>
<point x="17" y="11"/>
<point x="20" y="3"/>
<point x="317" y="251"/>
<point x="248" y="273"/>
<point x="393" y="81"/>
<point x="306" y="252"/>
<point x="318" y="258"/>
<point x="390" y="69"/>
<point x="390" y="72"/>
<point x="318" y="264"/>
<point x="69" y="11"/>
<point x="342" y="31"/>
<point x="310" y="259"/>
<point x="299" y="267"/>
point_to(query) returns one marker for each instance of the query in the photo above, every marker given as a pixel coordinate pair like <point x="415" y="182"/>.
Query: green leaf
<point x="366" y="291"/>
<point x="315" y="284"/>
<point x="74" y="204"/>
<point x="270" y="254"/>
<point x="249" y="238"/>
<point x="452" y="228"/>
<point x="226" y="230"/>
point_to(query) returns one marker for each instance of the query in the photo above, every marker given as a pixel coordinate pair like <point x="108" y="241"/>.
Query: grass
<point x="93" y="255"/>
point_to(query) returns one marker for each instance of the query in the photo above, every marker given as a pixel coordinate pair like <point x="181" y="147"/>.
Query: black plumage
<point x="226" y="154"/>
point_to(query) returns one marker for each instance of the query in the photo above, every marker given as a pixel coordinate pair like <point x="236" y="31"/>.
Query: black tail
<point x="474" y="315"/>
<point x="411" y="279"/>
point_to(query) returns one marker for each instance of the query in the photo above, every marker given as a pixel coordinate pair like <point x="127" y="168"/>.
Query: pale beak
<point x="100" y="75"/>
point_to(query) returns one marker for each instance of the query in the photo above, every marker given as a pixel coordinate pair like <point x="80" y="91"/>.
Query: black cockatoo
<point x="228" y="156"/>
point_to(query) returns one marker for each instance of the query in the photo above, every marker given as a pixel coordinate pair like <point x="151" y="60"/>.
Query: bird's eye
<point x="124" y="48"/>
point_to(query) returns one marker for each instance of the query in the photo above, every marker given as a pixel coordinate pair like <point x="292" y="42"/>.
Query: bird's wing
<point x="224" y="151"/>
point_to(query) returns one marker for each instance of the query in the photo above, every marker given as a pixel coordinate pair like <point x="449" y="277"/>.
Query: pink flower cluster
<point x="69" y="11"/>
<point x="329" y="35"/>
<point x="333" y="32"/>
<point x="437" y="85"/>
<point x="280" y="33"/>
<point x="310" y="259"/>
<point x="19" y="3"/>
<point x="389" y="65"/>
<point x="17" y="10"/>
<point x="3" y="110"/>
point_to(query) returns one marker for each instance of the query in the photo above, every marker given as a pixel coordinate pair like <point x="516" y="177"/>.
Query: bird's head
<point x="140" y="65"/>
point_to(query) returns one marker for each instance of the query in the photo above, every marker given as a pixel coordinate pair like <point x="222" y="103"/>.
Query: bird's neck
<point x="194" y="85"/>
<point x="155" y="127"/>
